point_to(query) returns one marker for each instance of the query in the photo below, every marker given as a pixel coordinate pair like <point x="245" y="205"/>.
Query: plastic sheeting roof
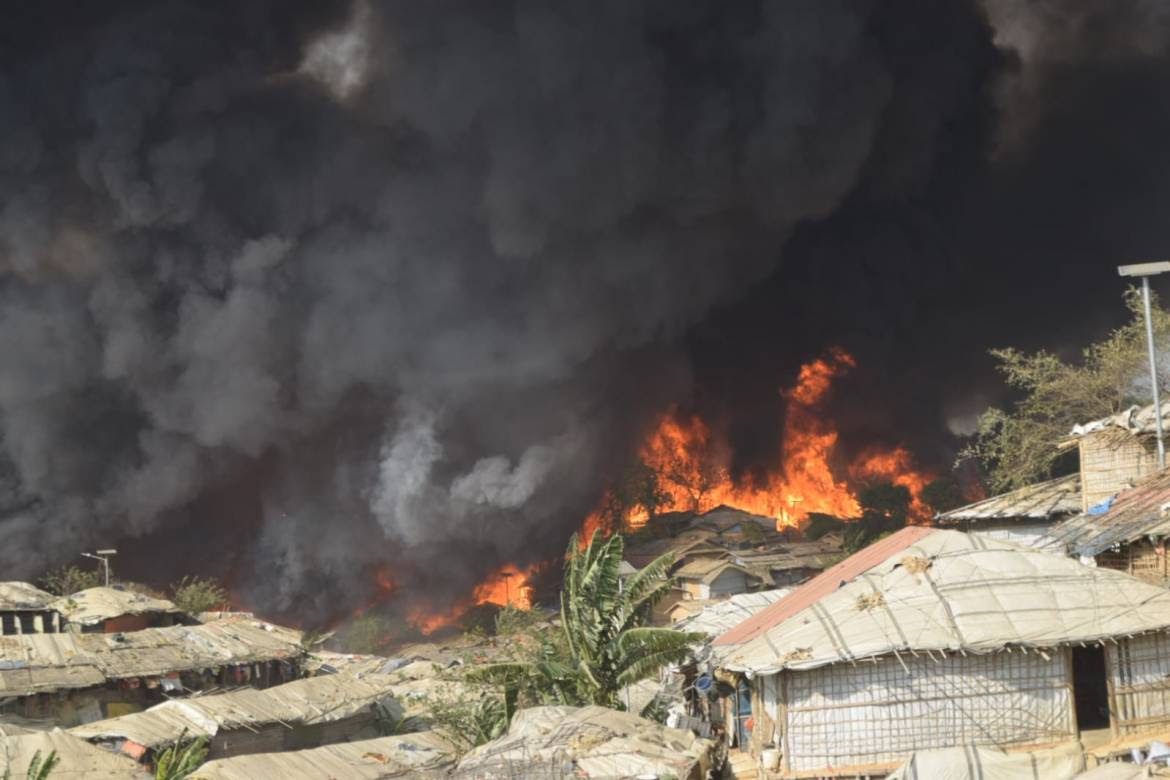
<point x="595" y="741"/>
<point x="1143" y="510"/>
<point x="314" y="700"/>
<point x="21" y="596"/>
<point x="78" y="758"/>
<point x="715" y="617"/>
<point x="93" y="605"/>
<point x="932" y="589"/>
<point x="1060" y="496"/>
<point x="1135" y="419"/>
<point x="979" y="762"/>
<point x="409" y="755"/>
<point x="36" y="663"/>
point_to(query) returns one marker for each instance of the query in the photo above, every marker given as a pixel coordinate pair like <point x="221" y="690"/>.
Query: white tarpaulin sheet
<point x="984" y="763"/>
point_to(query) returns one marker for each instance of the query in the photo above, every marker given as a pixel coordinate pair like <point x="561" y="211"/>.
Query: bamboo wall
<point x="1112" y="460"/>
<point x="1139" y="683"/>
<point x="1142" y="559"/>
<point x="872" y="715"/>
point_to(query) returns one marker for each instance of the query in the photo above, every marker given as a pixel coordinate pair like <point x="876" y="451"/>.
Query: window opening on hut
<point x="1089" y="690"/>
<point x="743" y="714"/>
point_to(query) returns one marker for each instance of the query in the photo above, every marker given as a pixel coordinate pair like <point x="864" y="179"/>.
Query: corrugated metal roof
<point x="35" y="663"/>
<point x="93" y="605"/>
<point x="947" y="591"/>
<point x="321" y="699"/>
<point x="1060" y="496"/>
<point x="21" y="596"/>
<point x="1143" y="510"/>
<point x="422" y="754"/>
<point x="824" y="583"/>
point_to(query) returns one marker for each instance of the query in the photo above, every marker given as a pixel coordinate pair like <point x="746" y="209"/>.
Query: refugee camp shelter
<point x="1127" y="532"/>
<point x="932" y="638"/>
<point x="301" y="714"/>
<point x="1116" y="451"/>
<point x="77" y="759"/>
<point x="1023" y="516"/>
<point x="25" y="609"/>
<point x="114" y="608"/>
<point x="77" y="678"/>
<point x="714" y="617"/>
<point x="423" y="754"/>
<point x="711" y="578"/>
<point x="588" y="742"/>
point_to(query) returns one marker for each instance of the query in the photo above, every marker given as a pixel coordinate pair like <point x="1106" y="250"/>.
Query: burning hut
<point x="301" y="714"/>
<point x="113" y="609"/>
<point x="25" y="609"/>
<point x="77" y="678"/>
<point x="931" y="638"/>
<point x="1127" y="533"/>
<point x="1023" y="516"/>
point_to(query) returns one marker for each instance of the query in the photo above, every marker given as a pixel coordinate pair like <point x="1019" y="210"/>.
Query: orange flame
<point x="508" y="585"/>
<point x="693" y="474"/>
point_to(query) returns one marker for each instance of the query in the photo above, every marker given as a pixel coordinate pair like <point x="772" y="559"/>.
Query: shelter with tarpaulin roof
<point x="931" y="638"/>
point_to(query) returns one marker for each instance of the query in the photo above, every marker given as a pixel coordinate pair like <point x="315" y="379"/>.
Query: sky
<point x="292" y="292"/>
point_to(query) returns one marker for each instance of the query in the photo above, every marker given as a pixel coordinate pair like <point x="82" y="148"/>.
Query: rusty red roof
<point x="823" y="584"/>
<point x="1140" y="511"/>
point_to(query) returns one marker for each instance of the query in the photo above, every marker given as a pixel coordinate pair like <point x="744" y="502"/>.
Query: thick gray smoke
<point x="396" y="282"/>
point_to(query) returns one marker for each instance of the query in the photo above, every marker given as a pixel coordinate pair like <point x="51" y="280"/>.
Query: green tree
<point x="943" y="494"/>
<point x="1017" y="446"/>
<point x="367" y="634"/>
<point x="604" y="643"/>
<point x="39" y="768"/>
<point x="67" y="580"/>
<point x="198" y="594"/>
<point x="179" y="760"/>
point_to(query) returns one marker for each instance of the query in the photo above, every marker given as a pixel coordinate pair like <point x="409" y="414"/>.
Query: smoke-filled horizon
<point x="292" y="291"/>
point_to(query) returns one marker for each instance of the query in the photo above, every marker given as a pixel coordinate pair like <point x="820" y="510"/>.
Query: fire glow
<point x="508" y="586"/>
<point x="693" y="474"/>
<point x="691" y="466"/>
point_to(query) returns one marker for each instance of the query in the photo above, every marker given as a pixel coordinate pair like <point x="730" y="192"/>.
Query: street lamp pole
<point x="104" y="557"/>
<point x="1145" y="271"/>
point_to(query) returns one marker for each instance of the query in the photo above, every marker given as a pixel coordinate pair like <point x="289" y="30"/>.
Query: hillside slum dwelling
<point x="25" y="609"/>
<point x="422" y="754"/>
<point x="725" y="552"/>
<point x="111" y="609"/>
<point x="1115" y="452"/>
<point x="73" y="678"/>
<point x="1127" y="533"/>
<point x="933" y="638"/>
<point x="296" y="715"/>
<point x="1024" y="516"/>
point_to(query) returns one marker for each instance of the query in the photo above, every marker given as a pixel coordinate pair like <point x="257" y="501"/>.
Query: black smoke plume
<point x="293" y="291"/>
